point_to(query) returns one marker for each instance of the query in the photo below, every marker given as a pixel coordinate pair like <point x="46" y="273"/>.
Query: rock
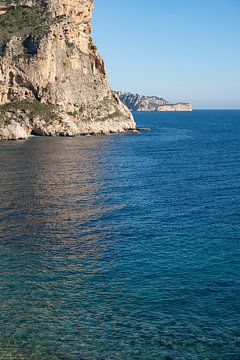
<point x="176" y="107"/>
<point x="51" y="75"/>
<point x="143" y="129"/>
<point x="15" y="131"/>
<point x="137" y="102"/>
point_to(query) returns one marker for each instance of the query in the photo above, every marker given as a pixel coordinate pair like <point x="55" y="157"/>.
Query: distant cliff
<point x="52" y="78"/>
<point x="137" y="102"/>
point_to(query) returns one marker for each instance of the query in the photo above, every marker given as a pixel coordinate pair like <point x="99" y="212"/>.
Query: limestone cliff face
<point x="176" y="107"/>
<point x="52" y="79"/>
<point x="137" y="102"/>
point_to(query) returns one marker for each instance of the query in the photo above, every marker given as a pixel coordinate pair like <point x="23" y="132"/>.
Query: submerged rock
<point x="52" y="79"/>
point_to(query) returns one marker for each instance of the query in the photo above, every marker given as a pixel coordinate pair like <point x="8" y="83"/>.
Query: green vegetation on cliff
<point x="22" y="21"/>
<point x="31" y="107"/>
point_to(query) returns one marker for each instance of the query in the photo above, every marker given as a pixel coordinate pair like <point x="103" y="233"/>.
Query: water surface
<point x="123" y="247"/>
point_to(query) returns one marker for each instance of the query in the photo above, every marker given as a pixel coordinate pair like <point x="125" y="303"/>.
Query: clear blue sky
<point x="183" y="50"/>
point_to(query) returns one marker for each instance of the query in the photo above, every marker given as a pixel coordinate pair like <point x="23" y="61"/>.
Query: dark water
<point x="123" y="247"/>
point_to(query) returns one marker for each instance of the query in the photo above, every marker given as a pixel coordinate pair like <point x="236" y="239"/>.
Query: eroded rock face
<point x="48" y="56"/>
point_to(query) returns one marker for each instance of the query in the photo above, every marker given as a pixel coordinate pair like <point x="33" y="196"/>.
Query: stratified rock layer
<point x="52" y="79"/>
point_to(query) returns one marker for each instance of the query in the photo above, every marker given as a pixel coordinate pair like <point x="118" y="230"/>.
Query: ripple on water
<point x="123" y="247"/>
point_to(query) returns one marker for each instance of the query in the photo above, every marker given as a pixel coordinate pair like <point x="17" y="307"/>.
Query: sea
<point x="123" y="247"/>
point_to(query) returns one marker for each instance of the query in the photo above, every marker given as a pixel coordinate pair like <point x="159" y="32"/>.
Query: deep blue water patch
<point x="123" y="247"/>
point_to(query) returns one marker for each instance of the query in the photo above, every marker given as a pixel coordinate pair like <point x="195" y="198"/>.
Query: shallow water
<point x="123" y="247"/>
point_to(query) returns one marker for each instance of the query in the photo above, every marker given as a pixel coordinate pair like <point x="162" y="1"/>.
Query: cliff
<point x="176" y="107"/>
<point x="137" y="102"/>
<point x="52" y="78"/>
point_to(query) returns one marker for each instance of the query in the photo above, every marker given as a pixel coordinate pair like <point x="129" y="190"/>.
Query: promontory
<point x="52" y="78"/>
<point x="137" y="102"/>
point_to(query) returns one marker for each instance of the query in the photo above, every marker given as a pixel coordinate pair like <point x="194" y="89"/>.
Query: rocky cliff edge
<point x="52" y="78"/>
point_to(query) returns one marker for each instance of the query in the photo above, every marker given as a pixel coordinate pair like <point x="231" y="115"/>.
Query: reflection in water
<point x="54" y="189"/>
<point x="51" y="206"/>
<point x="123" y="247"/>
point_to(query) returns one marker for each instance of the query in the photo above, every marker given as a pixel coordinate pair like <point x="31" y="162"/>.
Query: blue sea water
<point x="125" y="246"/>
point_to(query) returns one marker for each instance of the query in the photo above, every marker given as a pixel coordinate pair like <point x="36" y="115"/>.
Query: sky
<point x="182" y="50"/>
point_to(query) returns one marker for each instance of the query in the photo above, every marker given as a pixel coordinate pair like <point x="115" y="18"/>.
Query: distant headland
<point x="137" y="102"/>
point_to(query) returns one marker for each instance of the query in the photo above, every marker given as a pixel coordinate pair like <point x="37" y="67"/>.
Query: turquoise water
<point x="123" y="247"/>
